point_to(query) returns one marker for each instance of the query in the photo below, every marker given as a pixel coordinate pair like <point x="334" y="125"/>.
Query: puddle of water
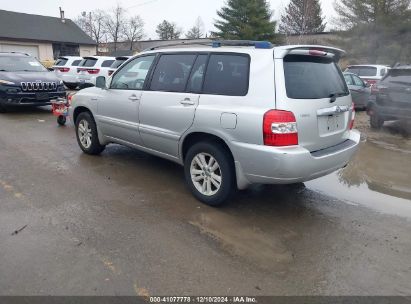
<point x="378" y="177"/>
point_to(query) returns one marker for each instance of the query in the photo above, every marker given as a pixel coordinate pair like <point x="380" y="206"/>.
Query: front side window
<point x="133" y="75"/>
<point x="227" y="74"/>
<point x="348" y="79"/>
<point x="311" y="77"/>
<point x="172" y="72"/>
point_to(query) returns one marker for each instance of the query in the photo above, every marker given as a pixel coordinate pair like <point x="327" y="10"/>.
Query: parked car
<point x="234" y="114"/>
<point x="24" y="81"/>
<point x="360" y="90"/>
<point x="116" y="64"/>
<point x="91" y="67"/>
<point x="65" y="68"/>
<point x="372" y="74"/>
<point x="393" y="97"/>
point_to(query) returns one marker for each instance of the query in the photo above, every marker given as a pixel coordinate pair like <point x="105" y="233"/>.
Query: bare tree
<point x="115" y="24"/>
<point x="134" y="30"/>
<point x="197" y="31"/>
<point x="93" y="23"/>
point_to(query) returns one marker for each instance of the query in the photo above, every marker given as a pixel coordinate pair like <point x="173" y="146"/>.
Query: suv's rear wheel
<point x="86" y="133"/>
<point x="376" y="121"/>
<point x="209" y="172"/>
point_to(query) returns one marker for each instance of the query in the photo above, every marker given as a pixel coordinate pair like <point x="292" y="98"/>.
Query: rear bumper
<point x="270" y="165"/>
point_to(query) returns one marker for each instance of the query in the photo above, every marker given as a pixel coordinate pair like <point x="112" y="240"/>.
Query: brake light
<point x="93" y="71"/>
<point x="314" y="52"/>
<point x="352" y="116"/>
<point x="64" y="70"/>
<point x="69" y="98"/>
<point x="280" y="129"/>
<point x="110" y="72"/>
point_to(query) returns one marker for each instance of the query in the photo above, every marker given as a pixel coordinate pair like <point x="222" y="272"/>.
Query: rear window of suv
<point x="363" y="71"/>
<point x="89" y="62"/>
<point x="61" y="62"/>
<point x="107" y="63"/>
<point x="310" y="77"/>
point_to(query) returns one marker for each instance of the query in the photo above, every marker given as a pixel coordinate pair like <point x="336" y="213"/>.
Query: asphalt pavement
<point x="124" y="223"/>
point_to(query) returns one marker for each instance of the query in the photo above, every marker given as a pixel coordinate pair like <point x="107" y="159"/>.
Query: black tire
<point x="376" y="121"/>
<point x="95" y="147"/>
<point x="226" y="172"/>
<point x="71" y="86"/>
<point x="61" y="120"/>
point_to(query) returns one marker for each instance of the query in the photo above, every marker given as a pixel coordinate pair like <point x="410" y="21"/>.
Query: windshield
<point x="20" y="64"/>
<point x="309" y="77"/>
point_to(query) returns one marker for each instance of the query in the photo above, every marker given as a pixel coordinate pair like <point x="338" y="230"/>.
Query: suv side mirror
<point x="101" y="82"/>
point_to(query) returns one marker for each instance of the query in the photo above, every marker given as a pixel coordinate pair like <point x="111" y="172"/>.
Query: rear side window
<point x="227" y="75"/>
<point x="89" y="62"/>
<point x="76" y="62"/>
<point x="310" y="77"/>
<point x="61" y="62"/>
<point x="172" y="72"/>
<point x="107" y="63"/>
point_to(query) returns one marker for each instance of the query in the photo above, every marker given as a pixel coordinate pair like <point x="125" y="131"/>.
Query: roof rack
<point x="220" y="43"/>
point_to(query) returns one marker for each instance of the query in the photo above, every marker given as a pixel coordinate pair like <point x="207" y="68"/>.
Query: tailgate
<point x="310" y="84"/>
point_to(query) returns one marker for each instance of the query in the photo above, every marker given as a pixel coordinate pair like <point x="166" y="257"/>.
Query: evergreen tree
<point x="168" y="30"/>
<point x="376" y="31"/>
<point x="197" y="31"/>
<point x="245" y="20"/>
<point x="302" y="17"/>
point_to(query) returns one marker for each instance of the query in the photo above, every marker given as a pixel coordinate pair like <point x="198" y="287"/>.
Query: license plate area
<point x="331" y="124"/>
<point x="42" y="96"/>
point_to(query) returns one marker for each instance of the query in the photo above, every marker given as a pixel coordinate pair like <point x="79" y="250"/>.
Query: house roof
<point x="20" y="26"/>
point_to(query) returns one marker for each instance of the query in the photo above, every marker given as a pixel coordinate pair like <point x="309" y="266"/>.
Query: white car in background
<point x="91" y="67"/>
<point x="65" y="68"/>
<point x="372" y="74"/>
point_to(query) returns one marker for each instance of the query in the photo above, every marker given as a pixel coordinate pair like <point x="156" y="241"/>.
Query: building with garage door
<point x="43" y="37"/>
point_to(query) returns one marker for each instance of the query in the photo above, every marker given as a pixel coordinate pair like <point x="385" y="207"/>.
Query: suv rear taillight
<point x="351" y="126"/>
<point x="280" y="129"/>
<point x="93" y="71"/>
<point x="64" y="70"/>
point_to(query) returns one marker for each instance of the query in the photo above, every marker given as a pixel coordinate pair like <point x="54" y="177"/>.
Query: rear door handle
<point x="187" y="102"/>
<point x="134" y="98"/>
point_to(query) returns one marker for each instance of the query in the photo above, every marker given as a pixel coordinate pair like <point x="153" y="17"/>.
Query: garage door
<point x="32" y="50"/>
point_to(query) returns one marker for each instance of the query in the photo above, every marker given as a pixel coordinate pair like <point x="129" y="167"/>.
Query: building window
<point x="65" y="49"/>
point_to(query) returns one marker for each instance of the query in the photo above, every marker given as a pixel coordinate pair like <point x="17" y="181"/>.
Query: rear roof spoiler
<point x="309" y="50"/>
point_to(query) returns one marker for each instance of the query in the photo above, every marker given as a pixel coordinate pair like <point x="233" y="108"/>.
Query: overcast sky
<point x="183" y="12"/>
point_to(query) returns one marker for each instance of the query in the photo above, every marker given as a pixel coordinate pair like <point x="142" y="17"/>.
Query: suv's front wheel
<point x="86" y="133"/>
<point x="209" y="172"/>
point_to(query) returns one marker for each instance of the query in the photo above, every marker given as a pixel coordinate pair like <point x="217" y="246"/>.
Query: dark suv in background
<point x="393" y="97"/>
<point x="24" y="81"/>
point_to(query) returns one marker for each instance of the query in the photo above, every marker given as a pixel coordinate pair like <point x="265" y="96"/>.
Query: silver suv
<point x="233" y="114"/>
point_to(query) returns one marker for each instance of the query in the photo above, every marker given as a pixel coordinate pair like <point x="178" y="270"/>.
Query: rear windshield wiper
<point x="1" y="70"/>
<point x="333" y="96"/>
